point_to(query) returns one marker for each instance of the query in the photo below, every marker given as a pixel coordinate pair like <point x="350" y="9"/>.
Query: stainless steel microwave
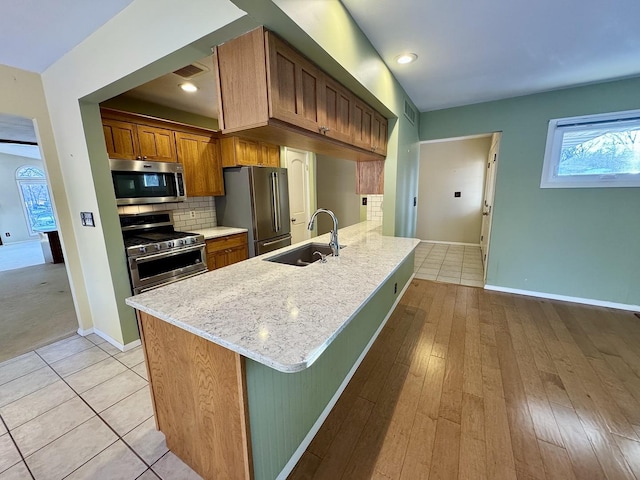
<point x="137" y="182"/>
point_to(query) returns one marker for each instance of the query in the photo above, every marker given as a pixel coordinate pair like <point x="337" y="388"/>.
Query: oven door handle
<point x="155" y="256"/>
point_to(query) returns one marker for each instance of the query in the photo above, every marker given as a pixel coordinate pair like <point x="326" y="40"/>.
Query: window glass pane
<point x="38" y="206"/>
<point x="600" y="151"/>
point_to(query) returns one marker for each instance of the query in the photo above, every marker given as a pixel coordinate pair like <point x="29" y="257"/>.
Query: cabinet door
<point x="379" y="134"/>
<point x="370" y="178"/>
<point x="362" y="123"/>
<point x="121" y="139"/>
<point x="156" y="144"/>
<point x="247" y="152"/>
<point x="200" y="156"/>
<point x="238" y="254"/>
<point x="269" y="155"/>
<point x="294" y="86"/>
<point x="336" y="111"/>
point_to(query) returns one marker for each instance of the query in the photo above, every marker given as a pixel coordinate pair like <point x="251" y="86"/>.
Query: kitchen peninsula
<point x="245" y="362"/>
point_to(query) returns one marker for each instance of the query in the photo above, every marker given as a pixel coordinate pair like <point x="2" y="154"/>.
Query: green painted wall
<point x="577" y="242"/>
<point x="284" y="406"/>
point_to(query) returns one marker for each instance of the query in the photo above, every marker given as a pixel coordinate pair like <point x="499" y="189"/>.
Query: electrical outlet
<point x="7" y="234"/>
<point x="395" y="287"/>
<point x="364" y="201"/>
<point x="192" y="214"/>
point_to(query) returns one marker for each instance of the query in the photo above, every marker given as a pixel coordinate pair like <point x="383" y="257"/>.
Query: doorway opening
<point x="456" y="188"/>
<point x="35" y="294"/>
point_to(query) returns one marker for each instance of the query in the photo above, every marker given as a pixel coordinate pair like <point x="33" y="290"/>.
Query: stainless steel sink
<point x="302" y="256"/>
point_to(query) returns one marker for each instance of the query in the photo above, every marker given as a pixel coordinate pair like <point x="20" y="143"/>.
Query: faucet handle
<point x="323" y="257"/>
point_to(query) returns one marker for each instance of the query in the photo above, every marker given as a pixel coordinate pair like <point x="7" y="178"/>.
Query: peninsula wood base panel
<point x="199" y="399"/>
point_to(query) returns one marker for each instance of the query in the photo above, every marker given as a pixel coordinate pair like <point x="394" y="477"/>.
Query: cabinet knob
<point x="144" y="158"/>
<point x="138" y="157"/>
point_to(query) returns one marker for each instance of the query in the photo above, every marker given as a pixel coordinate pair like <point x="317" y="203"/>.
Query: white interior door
<point x="487" y="205"/>
<point x="299" y="200"/>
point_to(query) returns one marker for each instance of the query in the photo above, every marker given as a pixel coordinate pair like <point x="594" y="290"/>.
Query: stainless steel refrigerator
<point x="257" y="198"/>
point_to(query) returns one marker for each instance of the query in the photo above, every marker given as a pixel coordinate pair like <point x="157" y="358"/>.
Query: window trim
<point x="557" y="127"/>
<point x="39" y="180"/>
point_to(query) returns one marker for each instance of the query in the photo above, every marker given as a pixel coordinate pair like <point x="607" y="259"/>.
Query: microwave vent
<point x="193" y="70"/>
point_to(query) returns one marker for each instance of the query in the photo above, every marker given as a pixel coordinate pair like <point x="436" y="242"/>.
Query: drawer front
<point x="222" y="243"/>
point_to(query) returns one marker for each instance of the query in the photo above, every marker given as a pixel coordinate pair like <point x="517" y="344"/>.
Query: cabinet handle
<point x="138" y="157"/>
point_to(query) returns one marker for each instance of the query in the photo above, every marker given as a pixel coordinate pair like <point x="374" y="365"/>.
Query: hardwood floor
<point x="471" y="384"/>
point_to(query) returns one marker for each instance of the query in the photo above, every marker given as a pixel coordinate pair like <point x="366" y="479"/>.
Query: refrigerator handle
<point x="275" y="196"/>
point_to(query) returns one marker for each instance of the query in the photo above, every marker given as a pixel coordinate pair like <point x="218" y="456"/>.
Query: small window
<point x="593" y="151"/>
<point x="34" y="191"/>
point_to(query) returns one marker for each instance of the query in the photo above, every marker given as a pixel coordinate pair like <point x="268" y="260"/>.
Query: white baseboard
<point x="110" y="340"/>
<point x="295" y="458"/>
<point x="564" y="298"/>
<point x="451" y="243"/>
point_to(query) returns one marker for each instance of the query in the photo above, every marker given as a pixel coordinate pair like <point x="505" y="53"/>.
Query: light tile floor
<point x="81" y="409"/>
<point x="459" y="264"/>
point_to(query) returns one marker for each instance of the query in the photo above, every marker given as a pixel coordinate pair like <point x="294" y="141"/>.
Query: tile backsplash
<point x="374" y="207"/>
<point x="203" y="208"/>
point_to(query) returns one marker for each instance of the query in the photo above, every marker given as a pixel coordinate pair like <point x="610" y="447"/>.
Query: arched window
<point x="34" y="192"/>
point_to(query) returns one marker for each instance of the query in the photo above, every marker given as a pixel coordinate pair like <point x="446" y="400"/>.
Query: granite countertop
<point x="281" y="315"/>
<point x="216" y="232"/>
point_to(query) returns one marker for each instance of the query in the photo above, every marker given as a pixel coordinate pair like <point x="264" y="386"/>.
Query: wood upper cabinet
<point x="130" y="141"/>
<point x="237" y="151"/>
<point x="156" y="144"/>
<point x="271" y="92"/>
<point x="270" y="155"/>
<point x="362" y="123"/>
<point x="336" y="111"/>
<point x="379" y="134"/>
<point x="121" y="139"/>
<point x="200" y="156"/>
<point x="223" y="251"/>
<point x="370" y="178"/>
<point x="294" y="85"/>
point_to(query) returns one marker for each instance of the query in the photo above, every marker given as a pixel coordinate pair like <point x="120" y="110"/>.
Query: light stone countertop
<point x="216" y="232"/>
<point x="280" y="315"/>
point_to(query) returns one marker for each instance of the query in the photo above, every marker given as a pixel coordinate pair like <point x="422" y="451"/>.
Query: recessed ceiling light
<point x="188" y="87"/>
<point x="406" y="58"/>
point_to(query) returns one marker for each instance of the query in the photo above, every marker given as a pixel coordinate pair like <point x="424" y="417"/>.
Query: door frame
<point x="495" y="150"/>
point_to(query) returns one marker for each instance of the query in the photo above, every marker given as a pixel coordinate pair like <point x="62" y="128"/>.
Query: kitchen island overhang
<point x="294" y="348"/>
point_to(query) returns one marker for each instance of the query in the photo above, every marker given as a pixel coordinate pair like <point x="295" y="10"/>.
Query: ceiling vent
<point x="409" y="112"/>
<point x="191" y="71"/>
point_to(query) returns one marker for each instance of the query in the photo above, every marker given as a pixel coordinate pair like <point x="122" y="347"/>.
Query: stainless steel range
<point x="157" y="254"/>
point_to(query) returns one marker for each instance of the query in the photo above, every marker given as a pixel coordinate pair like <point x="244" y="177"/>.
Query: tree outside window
<point x="34" y="191"/>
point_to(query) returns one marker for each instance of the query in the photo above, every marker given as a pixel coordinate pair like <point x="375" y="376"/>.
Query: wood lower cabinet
<point x="200" y="156"/>
<point x="131" y="141"/>
<point x="269" y="91"/>
<point x="238" y="151"/>
<point x="227" y="250"/>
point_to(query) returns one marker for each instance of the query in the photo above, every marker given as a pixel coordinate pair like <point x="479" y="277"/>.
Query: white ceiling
<point x="470" y="52"/>
<point x="36" y="33"/>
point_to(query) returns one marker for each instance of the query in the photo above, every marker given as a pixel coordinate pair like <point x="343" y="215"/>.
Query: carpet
<point x="36" y="308"/>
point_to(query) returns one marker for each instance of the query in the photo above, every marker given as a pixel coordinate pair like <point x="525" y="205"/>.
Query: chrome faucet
<point x="333" y="242"/>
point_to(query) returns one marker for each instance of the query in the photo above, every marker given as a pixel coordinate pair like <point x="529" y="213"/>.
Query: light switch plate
<point x="87" y="219"/>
